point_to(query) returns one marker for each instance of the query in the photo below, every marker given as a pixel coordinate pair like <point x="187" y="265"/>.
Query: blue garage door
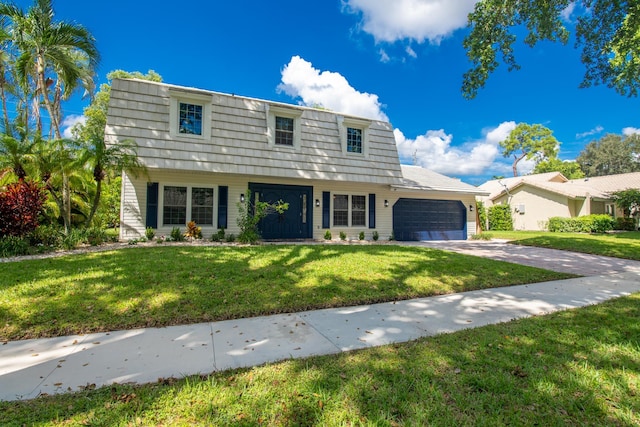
<point x="419" y="219"/>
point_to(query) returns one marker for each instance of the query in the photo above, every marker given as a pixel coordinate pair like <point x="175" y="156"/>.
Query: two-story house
<point x="204" y="149"/>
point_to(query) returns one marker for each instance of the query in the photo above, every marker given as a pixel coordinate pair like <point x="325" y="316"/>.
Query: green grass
<point x="166" y="285"/>
<point x="620" y="245"/>
<point x="579" y="367"/>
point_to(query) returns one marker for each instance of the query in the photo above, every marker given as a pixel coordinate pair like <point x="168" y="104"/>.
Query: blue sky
<point x="400" y="61"/>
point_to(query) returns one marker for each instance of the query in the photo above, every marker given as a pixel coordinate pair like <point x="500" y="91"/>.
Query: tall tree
<point x="607" y="31"/>
<point x="54" y="56"/>
<point x="611" y="154"/>
<point x="529" y="142"/>
<point x="570" y="169"/>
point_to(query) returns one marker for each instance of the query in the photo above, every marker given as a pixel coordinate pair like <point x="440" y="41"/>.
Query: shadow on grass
<point x="578" y="367"/>
<point x="146" y="287"/>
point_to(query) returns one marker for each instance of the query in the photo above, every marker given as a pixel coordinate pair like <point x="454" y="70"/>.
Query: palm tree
<point x="51" y="54"/>
<point x="102" y="158"/>
<point x="14" y="155"/>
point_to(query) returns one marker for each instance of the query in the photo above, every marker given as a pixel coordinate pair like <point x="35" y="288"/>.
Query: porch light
<point x="386" y="203"/>
<point x="470" y="208"/>
<point x="242" y="198"/>
<point x="317" y="203"/>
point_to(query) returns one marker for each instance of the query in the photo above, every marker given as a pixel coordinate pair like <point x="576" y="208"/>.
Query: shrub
<point x="361" y="235"/>
<point x="95" y="236"/>
<point x="21" y="205"/>
<point x="230" y="238"/>
<point x="218" y="236"/>
<point x="500" y="218"/>
<point x="375" y="236"/>
<point x="251" y="213"/>
<point x="149" y="233"/>
<point x="14" y="246"/>
<point x="73" y="239"/>
<point x="482" y="215"/>
<point x="327" y="235"/>
<point x="176" y="235"/>
<point x="581" y="224"/>
<point x="343" y="235"/>
<point x="625" y="224"/>
<point x="193" y="231"/>
<point x="46" y="235"/>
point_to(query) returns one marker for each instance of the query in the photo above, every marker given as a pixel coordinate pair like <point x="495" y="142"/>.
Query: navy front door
<point x="295" y="222"/>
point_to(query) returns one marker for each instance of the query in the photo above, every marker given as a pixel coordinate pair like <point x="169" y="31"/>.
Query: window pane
<point x="190" y="119"/>
<point x="341" y="210"/>
<point x="284" y="131"/>
<point x="202" y="206"/>
<point x="354" y="140"/>
<point x="358" y="211"/>
<point x="174" y="210"/>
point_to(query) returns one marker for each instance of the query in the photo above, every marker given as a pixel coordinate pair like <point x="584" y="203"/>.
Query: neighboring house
<point x="536" y="198"/>
<point x="204" y="149"/>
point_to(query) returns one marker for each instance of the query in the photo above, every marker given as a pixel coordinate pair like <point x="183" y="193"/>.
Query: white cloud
<point x="328" y="89"/>
<point x="412" y="53"/>
<point x="384" y="57"/>
<point x="433" y="151"/>
<point x="419" y="20"/>
<point x="591" y="132"/>
<point x="630" y="131"/>
<point x="69" y="122"/>
<point x="567" y="13"/>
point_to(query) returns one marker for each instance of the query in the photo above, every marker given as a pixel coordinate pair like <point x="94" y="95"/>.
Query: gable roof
<point x="596" y="187"/>
<point x="418" y="178"/>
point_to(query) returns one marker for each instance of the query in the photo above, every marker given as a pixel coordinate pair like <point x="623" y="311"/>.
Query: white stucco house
<point x="204" y="149"/>
<point x="536" y="198"/>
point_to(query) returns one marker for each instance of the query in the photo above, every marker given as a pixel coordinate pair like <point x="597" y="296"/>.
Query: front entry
<point x="295" y="222"/>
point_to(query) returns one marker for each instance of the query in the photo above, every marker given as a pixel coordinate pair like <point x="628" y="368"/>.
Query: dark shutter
<point x="152" y="204"/>
<point x="326" y="209"/>
<point x="372" y="211"/>
<point x="223" y="201"/>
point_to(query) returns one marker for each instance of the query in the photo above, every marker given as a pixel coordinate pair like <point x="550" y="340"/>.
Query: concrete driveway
<point x="549" y="259"/>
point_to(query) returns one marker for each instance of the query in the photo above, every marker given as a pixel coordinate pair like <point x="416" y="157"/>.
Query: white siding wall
<point x="134" y="202"/>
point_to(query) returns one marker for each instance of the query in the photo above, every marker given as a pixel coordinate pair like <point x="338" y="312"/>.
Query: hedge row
<point x="582" y="224"/>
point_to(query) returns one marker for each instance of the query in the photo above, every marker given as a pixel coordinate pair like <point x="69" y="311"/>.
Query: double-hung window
<point x="283" y="126"/>
<point x="284" y="131"/>
<point x="174" y="211"/>
<point x="354" y="135"/>
<point x="183" y="204"/>
<point x="358" y="211"/>
<point x="354" y="140"/>
<point x="349" y="211"/>
<point x="190" y="119"/>
<point x="202" y="205"/>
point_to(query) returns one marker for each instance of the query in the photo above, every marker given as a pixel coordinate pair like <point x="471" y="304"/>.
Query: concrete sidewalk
<point x="47" y="366"/>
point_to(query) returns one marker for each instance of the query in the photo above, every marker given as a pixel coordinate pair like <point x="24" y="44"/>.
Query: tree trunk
<point x="96" y="201"/>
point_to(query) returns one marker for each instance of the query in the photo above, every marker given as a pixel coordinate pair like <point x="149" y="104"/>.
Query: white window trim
<point x="350" y="210"/>
<point x="189" y="206"/>
<point x="291" y="113"/>
<point x="349" y="122"/>
<point x="178" y="97"/>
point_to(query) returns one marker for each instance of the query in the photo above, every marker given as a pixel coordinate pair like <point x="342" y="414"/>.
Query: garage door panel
<point x="422" y="219"/>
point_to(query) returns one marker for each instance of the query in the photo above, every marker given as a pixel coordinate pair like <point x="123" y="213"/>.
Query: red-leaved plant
<point x="21" y="205"/>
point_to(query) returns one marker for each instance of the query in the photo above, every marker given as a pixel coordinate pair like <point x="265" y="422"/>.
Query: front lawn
<point x="166" y="285"/>
<point x="573" y="368"/>
<point x="619" y="245"/>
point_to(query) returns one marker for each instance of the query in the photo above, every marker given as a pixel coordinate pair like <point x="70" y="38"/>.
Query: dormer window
<point x="354" y="135"/>
<point x="190" y="114"/>
<point x="190" y="120"/>
<point x="283" y="126"/>
<point x="354" y="140"/>
<point x="284" y="131"/>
